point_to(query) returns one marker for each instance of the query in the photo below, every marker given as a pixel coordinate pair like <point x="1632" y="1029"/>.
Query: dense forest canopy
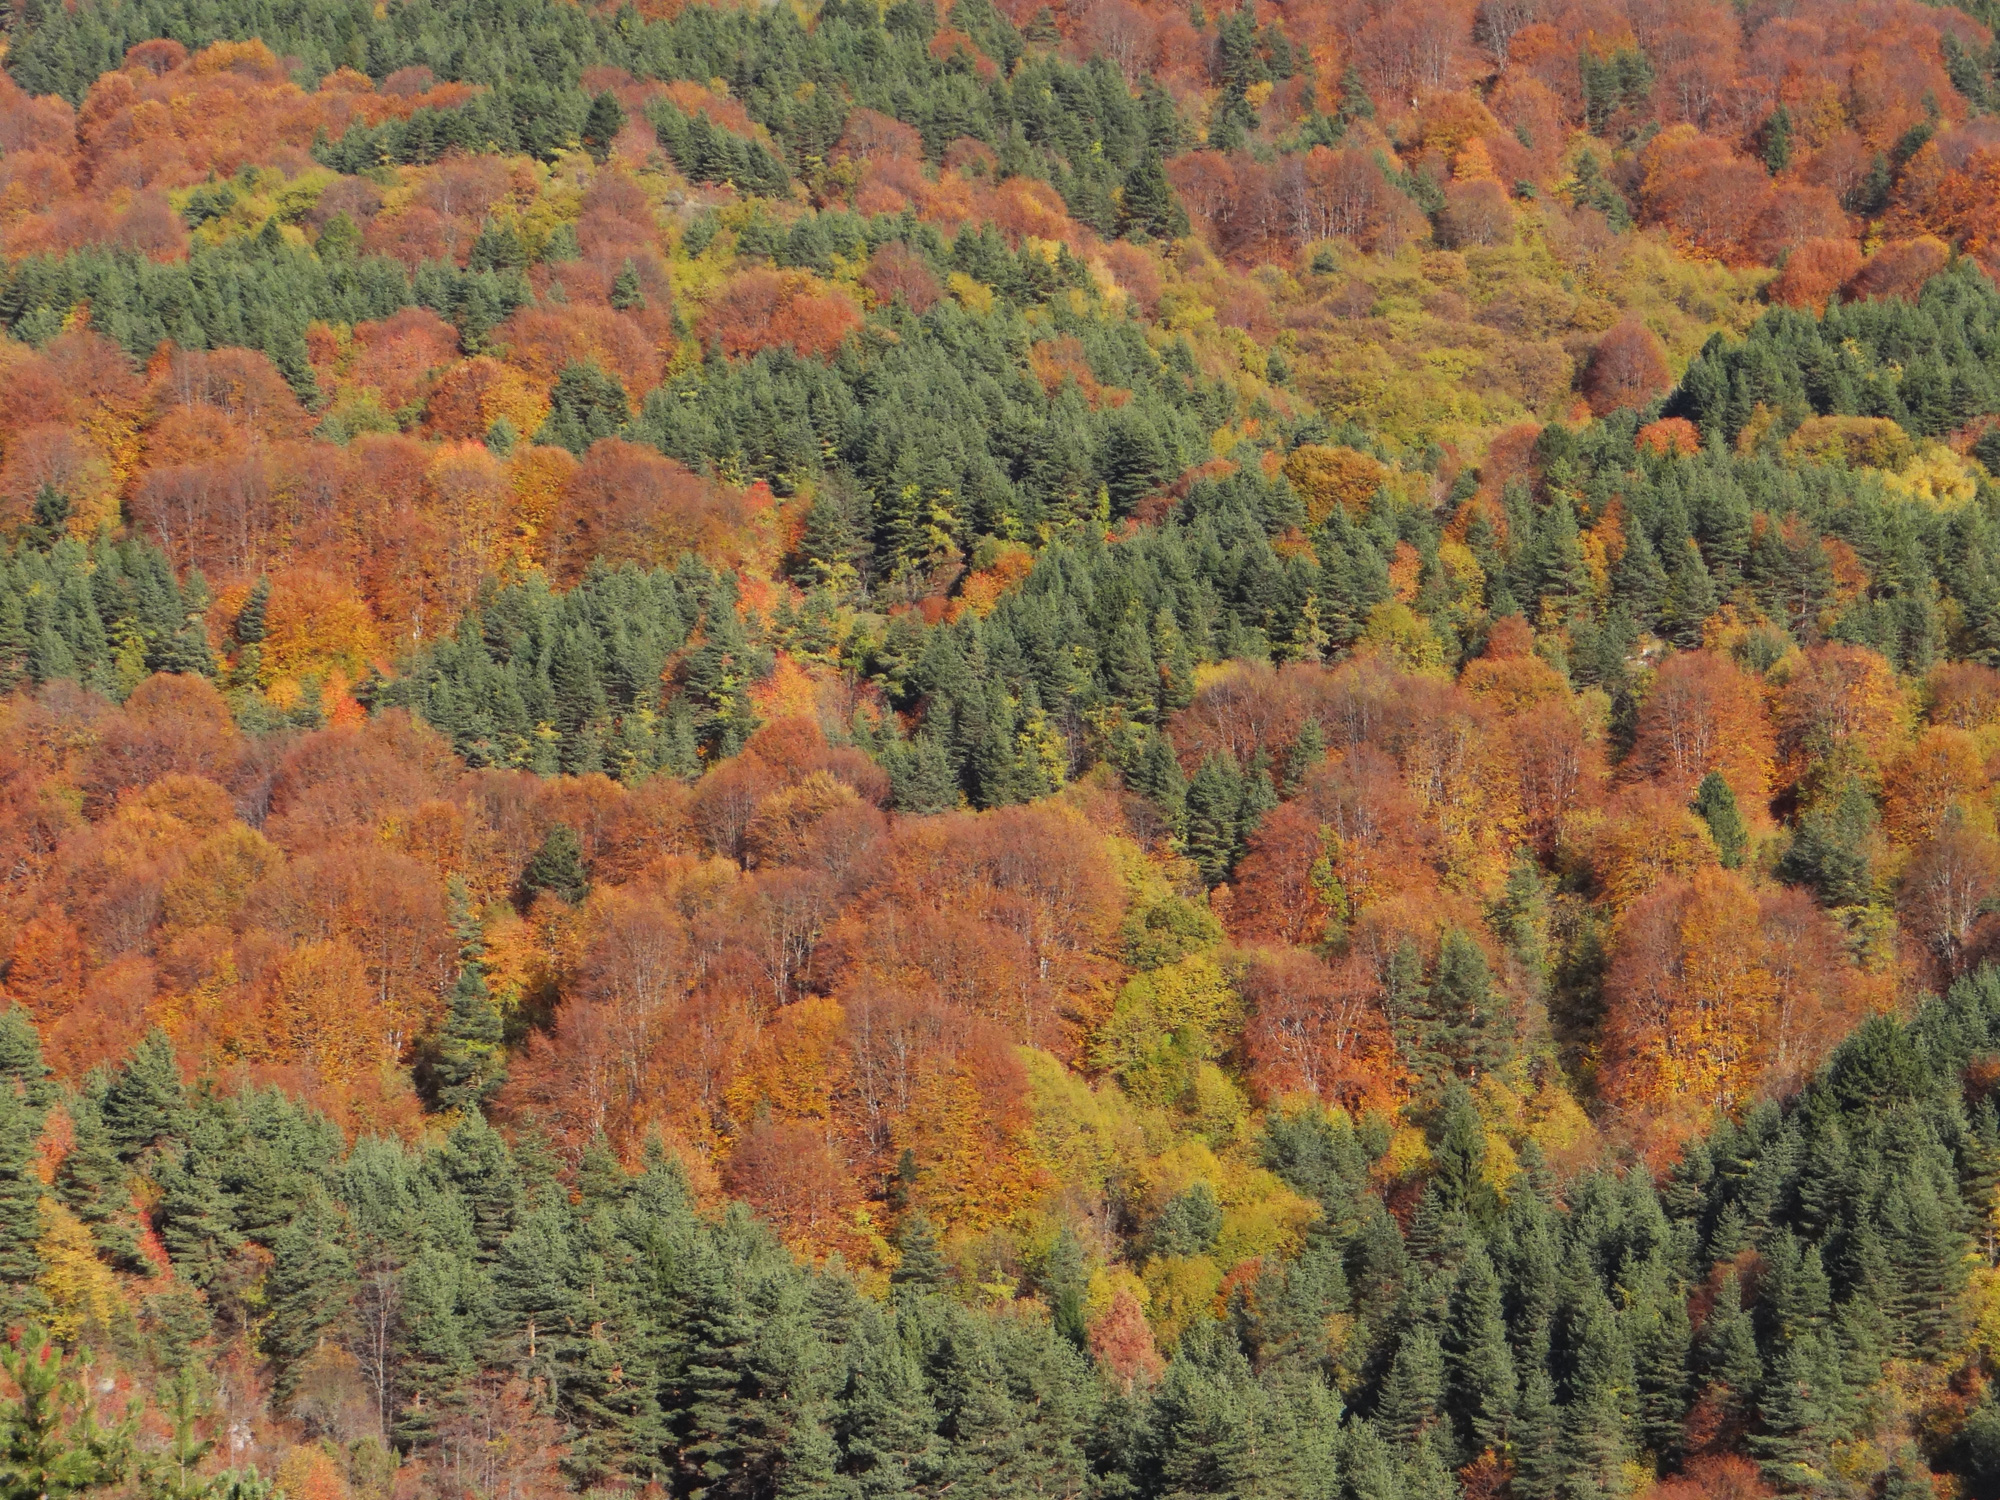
<point x="1118" y="750"/>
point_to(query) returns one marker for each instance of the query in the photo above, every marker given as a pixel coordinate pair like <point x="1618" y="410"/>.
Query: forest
<point x="1114" y="749"/>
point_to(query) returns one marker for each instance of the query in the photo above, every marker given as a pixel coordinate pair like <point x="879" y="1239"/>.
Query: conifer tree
<point x="1149" y="204"/>
<point x="1413" y="1393"/>
<point x="602" y="124"/>
<point x="1715" y="804"/>
<point x="467" y="1064"/>
<point x="556" y="867"/>
<point x="922" y="1267"/>
<point x="311" y="1276"/>
<point x="52" y="1446"/>
<point x="20" y="1212"/>
<point x="145" y="1100"/>
<point x="92" y="1183"/>
<point x="626" y="293"/>
<point x="1479" y="1368"/>
<point x="22" y="1067"/>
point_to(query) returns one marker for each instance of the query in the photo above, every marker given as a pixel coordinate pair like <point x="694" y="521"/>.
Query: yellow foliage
<point x="1937" y="478"/>
<point x="1179" y="1290"/>
<point x="1165" y="1022"/>
<point x="973" y="296"/>
<point x="1409" y="1153"/>
<point x="312" y="1474"/>
<point x="82" y="1292"/>
<point x="211" y="885"/>
<point x="316" y="624"/>
<point x="539" y="475"/>
<point x="1327" y="476"/>
<point x="1404" y="637"/>
<point x="1860" y="442"/>
<point x="1274" y="1224"/>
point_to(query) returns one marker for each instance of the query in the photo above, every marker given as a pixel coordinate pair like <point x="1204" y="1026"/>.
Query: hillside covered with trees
<point x="1101" y="750"/>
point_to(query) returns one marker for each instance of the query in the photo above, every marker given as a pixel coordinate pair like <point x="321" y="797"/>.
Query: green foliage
<point x="573" y="681"/>
<point x="51" y="1444"/>
<point x="1715" y="805"/>
<point x="555" y="867"/>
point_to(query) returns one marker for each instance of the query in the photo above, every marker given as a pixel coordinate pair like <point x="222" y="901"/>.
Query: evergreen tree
<point x="1790" y="1443"/>
<point x="22" y="1066"/>
<point x="626" y="293"/>
<point x="1413" y="1394"/>
<point x="146" y="1099"/>
<point x="602" y="124"/>
<point x="1715" y="803"/>
<point x="311" y="1275"/>
<point x="1662" y="1368"/>
<point x="92" y="1184"/>
<point x="1214" y="803"/>
<point x="52" y="1445"/>
<point x="1479" y="1368"/>
<point x="20" y="1212"/>
<point x="556" y="867"/>
<point x="467" y="1064"/>
<point x="1148" y="203"/>
<point x="922" y="1267"/>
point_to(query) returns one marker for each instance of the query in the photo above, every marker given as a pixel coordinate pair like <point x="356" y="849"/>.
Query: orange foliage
<point x="761" y="309"/>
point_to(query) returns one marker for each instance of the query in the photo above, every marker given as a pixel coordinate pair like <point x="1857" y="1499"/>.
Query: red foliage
<point x="628" y="504"/>
<point x="1627" y="368"/>
<point x="762" y="309"/>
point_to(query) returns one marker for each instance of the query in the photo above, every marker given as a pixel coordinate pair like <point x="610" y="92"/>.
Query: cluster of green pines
<point x="1569" y="1331"/>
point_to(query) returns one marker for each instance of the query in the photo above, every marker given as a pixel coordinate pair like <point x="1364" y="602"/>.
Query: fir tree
<point x="1149" y="205"/>
<point x="1715" y="803"/>
<point x="1413" y="1394"/>
<point x="146" y="1099"/>
<point x="556" y="867"/>
<point x="20" y="1212"/>
<point x="22" y="1066"/>
<point x="626" y="293"/>
<point x="311" y="1274"/>
<point x="602" y="124"/>
<point x="922" y="1267"/>
<point x="467" y="1065"/>
<point x="92" y="1184"/>
<point x="52" y="1445"/>
<point x="1214" y="803"/>
<point x="1479" y="1368"/>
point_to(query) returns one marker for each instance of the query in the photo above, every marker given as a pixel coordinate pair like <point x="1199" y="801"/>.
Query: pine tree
<point x="1790" y="1443"/>
<point x="1413" y="1394"/>
<point x="467" y="1065"/>
<point x="1727" y="1350"/>
<point x="1463" y="1028"/>
<point x="920" y="776"/>
<point x="52" y="1446"/>
<point x="22" y="1066"/>
<point x="20" y="1212"/>
<point x="556" y="867"/>
<point x="888" y="1426"/>
<point x="1214" y="803"/>
<point x="92" y="1184"/>
<point x="311" y="1276"/>
<point x="146" y="1099"/>
<point x="922" y="1268"/>
<point x="1778" y="140"/>
<point x="1537" y="1431"/>
<point x="1715" y="804"/>
<point x="1595" y="1439"/>
<point x="1662" y="1368"/>
<point x="602" y="124"/>
<point x="626" y="293"/>
<point x="1149" y="205"/>
<point x="1479" y="1368"/>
